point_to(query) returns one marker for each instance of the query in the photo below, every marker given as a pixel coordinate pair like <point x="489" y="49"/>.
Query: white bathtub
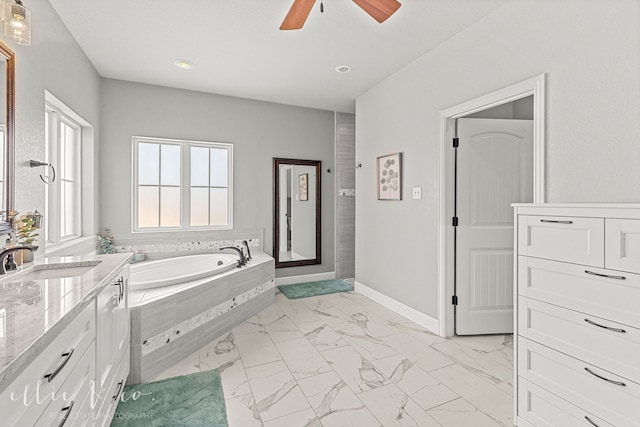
<point x="172" y="271"/>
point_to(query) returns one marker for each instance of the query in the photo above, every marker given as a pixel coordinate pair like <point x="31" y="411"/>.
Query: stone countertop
<point x="33" y="311"/>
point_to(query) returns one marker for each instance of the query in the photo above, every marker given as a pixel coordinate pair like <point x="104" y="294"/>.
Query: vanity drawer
<point x="570" y="286"/>
<point x="68" y="406"/>
<point x="78" y="335"/>
<point x="611" y="346"/>
<point x="582" y="384"/>
<point x="541" y="408"/>
<point x="622" y="244"/>
<point x="571" y="239"/>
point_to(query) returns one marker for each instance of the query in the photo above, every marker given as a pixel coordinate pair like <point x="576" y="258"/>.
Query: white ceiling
<point x="238" y="50"/>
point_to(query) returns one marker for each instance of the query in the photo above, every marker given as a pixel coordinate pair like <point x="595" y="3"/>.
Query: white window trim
<point x="77" y="178"/>
<point x="185" y="187"/>
<point x="85" y="173"/>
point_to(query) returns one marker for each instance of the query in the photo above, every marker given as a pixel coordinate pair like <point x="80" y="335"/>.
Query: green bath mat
<point x="311" y="289"/>
<point x="194" y="400"/>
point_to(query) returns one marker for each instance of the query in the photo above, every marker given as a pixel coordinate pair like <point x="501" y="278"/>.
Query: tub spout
<point x="246" y="245"/>
<point x="242" y="260"/>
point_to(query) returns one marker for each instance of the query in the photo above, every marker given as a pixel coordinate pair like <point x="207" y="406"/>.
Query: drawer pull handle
<point x="120" y="285"/>
<point x="591" y="422"/>
<point x="553" y="221"/>
<point x="605" y="379"/>
<point x="67" y="411"/>
<point x="593" y="273"/>
<point x="118" y="390"/>
<point x="55" y="373"/>
<point x="609" y="328"/>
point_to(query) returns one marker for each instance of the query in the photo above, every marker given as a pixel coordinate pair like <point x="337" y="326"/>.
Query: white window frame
<point x="185" y="184"/>
<point x="54" y="209"/>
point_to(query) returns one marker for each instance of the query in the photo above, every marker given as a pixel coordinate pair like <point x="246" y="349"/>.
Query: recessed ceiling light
<point x="183" y="63"/>
<point x="342" y="69"/>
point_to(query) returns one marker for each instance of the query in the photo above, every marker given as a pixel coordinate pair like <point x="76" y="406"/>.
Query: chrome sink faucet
<point x="242" y="260"/>
<point x="246" y="245"/>
<point x="6" y="258"/>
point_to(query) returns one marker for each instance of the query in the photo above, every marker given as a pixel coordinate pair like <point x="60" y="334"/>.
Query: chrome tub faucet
<point x="242" y="260"/>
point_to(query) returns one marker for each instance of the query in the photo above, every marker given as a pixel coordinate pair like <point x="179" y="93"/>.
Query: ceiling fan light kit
<point x="380" y="10"/>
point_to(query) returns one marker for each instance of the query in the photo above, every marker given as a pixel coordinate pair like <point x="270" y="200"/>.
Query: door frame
<point x="446" y="127"/>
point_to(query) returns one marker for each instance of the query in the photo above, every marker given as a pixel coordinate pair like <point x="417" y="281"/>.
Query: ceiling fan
<point x="379" y="10"/>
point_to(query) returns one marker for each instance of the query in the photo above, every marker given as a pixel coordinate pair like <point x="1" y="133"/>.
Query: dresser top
<point x="596" y="210"/>
<point x="34" y="310"/>
<point x="578" y="205"/>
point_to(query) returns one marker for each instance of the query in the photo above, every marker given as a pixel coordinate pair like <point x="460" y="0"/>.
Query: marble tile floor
<point x="342" y="360"/>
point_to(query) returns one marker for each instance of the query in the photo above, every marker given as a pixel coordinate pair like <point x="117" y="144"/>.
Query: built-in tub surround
<point x="170" y="322"/>
<point x="37" y="304"/>
<point x="171" y="245"/>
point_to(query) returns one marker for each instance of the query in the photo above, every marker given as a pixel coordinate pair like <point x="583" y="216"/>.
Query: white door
<point x="495" y="169"/>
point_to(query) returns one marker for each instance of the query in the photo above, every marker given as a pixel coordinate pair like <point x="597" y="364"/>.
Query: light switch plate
<point x="417" y="192"/>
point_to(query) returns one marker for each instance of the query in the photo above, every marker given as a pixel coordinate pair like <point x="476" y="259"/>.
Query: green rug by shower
<point x="194" y="400"/>
<point x="312" y="289"/>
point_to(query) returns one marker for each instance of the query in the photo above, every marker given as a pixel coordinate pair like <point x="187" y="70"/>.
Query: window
<point x="181" y="185"/>
<point x="63" y="141"/>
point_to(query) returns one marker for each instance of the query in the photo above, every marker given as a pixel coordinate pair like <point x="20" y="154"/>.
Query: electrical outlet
<point x="417" y="192"/>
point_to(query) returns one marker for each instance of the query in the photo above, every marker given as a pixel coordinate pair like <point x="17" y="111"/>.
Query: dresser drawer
<point x="622" y="244"/>
<point x="571" y="239"/>
<point x="611" y="346"/>
<point x="69" y="398"/>
<point x="541" y="408"/>
<point x="569" y="285"/>
<point x="578" y="383"/>
<point x="55" y="358"/>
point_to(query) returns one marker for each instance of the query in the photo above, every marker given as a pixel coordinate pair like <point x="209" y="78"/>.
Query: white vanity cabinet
<point x="71" y="372"/>
<point x="577" y="349"/>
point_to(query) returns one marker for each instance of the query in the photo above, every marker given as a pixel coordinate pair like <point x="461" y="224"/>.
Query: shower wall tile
<point x="345" y="196"/>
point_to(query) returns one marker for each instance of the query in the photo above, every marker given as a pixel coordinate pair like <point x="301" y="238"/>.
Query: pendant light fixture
<point x="17" y="22"/>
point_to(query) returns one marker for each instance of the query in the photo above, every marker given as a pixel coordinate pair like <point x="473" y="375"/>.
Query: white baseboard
<point x="305" y="278"/>
<point x="410" y="313"/>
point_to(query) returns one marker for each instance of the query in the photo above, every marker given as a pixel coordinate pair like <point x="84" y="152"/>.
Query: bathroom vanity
<point x="64" y="341"/>
<point x="577" y="340"/>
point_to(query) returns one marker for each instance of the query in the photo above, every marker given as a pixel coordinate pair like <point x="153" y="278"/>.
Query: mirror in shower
<point x="296" y="212"/>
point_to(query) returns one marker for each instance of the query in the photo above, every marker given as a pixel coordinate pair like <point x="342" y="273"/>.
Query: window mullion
<point x="78" y="182"/>
<point x="185" y="186"/>
<point x="55" y="151"/>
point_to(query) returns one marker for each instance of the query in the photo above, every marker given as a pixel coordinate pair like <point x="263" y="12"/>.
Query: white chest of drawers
<point x="577" y="315"/>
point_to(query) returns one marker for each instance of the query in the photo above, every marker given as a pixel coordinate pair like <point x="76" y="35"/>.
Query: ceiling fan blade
<point x="297" y="15"/>
<point x="379" y="10"/>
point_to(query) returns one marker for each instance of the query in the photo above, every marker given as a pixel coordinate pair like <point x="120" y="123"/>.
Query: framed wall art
<point x="389" y="177"/>
<point x="304" y="186"/>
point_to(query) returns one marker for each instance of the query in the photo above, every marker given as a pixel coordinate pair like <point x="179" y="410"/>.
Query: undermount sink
<point x="59" y="271"/>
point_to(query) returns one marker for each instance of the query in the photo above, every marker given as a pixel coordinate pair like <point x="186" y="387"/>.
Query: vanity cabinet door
<point x="112" y="327"/>
<point x="121" y="321"/>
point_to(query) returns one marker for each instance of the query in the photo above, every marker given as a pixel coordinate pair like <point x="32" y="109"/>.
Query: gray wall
<point x="258" y="130"/>
<point x="590" y="51"/>
<point x="53" y="62"/>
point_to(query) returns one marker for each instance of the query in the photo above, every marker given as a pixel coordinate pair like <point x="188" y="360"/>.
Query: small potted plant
<point x="106" y="242"/>
<point x="26" y="233"/>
